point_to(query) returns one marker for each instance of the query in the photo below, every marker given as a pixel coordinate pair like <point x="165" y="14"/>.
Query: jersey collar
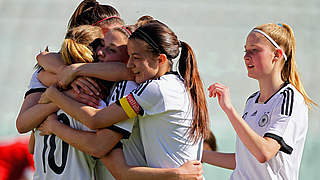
<point x="283" y="86"/>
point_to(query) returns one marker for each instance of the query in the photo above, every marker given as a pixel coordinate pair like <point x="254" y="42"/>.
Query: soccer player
<point x="272" y="130"/>
<point x="133" y="149"/>
<point x="171" y="107"/>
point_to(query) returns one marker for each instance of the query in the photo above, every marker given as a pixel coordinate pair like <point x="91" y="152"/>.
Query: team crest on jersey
<point x="264" y="120"/>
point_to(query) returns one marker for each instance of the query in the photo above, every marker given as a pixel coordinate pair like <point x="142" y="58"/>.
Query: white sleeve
<point x="122" y="89"/>
<point x="35" y="85"/>
<point x="281" y="113"/>
<point x="34" y="82"/>
<point x="281" y="120"/>
<point x="150" y="98"/>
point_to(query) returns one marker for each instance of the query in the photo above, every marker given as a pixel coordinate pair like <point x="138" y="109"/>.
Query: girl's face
<point x="142" y="62"/>
<point x="113" y="48"/>
<point x="258" y="56"/>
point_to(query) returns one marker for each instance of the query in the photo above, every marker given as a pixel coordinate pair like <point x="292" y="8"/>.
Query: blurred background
<point x="216" y="30"/>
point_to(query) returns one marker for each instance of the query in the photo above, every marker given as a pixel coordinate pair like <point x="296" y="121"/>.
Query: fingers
<point x="88" y="85"/>
<point x="75" y="88"/>
<point x="200" y="177"/>
<point x="62" y="84"/>
<point x="217" y="89"/>
<point x="95" y="84"/>
<point x="42" y="130"/>
<point x="44" y="99"/>
<point x="89" y="100"/>
<point x="195" y="162"/>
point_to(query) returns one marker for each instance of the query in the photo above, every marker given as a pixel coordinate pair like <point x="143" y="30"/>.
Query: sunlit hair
<point x="144" y="20"/>
<point x="90" y="12"/>
<point x="76" y="47"/>
<point x="79" y="46"/>
<point x="283" y="35"/>
<point x="160" y="39"/>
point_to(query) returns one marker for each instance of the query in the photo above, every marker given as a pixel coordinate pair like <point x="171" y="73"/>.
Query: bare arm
<point x="262" y="148"/>
<point x="110" y="71"/>
<point x="32" y="114"/>
<point x="47" y="78"/>
<point x="87" y="115"/>
<point x="51" y="62"/>
<point x="121" y="171"/>
<point x="97" y="143"/>
<point x="224" y="160"/>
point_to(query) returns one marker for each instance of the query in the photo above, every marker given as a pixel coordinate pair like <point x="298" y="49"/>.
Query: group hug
<point x="125" y="101"/>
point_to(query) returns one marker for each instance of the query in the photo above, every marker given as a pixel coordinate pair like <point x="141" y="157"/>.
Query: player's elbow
<point x="264" y="157"/>
<point x="99" y="153"/>
<point x="91" y="120"/>
<point x="20" y="128"/>
<point x="98" y="149"/>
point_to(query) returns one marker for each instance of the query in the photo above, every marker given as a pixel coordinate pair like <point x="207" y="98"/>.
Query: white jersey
<point x="55" y="168"/>
<point x="35" y="85"/>
<point x="119" y="90"/>
<point x="56" y="159"/>
<point x="165" y="117"/>
<point x="132" y="147"/>
<point x="34" y="82"/>
<point x="284" y="117"/>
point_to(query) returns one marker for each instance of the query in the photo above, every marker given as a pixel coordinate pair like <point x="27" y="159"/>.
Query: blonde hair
<point x="76" y="46"/>
<point x="283" y="35"/>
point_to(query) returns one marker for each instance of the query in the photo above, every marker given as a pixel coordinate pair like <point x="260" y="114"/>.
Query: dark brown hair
<point x="211" y="141"/>
<point x="89" y="12"/>
<point x="143" y="20"/>
<point x="162" y="40"/>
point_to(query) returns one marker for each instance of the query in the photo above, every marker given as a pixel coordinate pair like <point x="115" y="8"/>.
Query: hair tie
<point x="105" y="19"/>
<point x="272" y="41"/>
<point x="279" y="24"/>
<point x="127" y="30"/>
<point x="148" y="39"/>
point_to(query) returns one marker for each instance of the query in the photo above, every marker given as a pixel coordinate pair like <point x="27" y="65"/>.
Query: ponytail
<point x="283" y="35"/>
<point x="162" y="40"/>
<point x="83" y="6"/>
<point x="91" y="12"/>
<point x="289" y="71"/>
<point x="77" y="46"/>
<point x="189" y="71"/>
<point x="73" y="52"/>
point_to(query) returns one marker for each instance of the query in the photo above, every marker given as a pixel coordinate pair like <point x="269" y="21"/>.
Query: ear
<point x="162" y="58"/>
<point x="278" y="54"/>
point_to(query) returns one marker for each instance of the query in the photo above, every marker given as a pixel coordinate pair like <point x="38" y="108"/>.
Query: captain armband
<point x="130" y="106"/>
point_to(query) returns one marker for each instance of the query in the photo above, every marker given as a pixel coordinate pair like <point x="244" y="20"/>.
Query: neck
<point x="269" y="86"/>
<point x="163" y="70"/>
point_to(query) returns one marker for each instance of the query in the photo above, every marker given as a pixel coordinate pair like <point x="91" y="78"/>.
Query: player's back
<point x="56" y="159"/>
